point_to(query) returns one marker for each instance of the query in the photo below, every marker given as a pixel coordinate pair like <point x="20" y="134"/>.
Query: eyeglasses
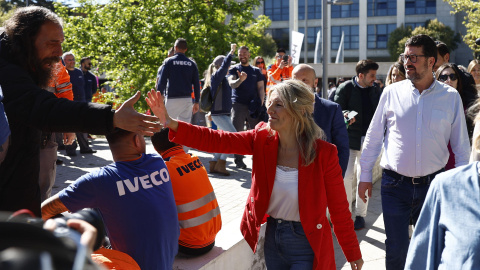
<point x="260" y="62"/>
<point x="412" y="57"/>
<point x="444" y="77"/>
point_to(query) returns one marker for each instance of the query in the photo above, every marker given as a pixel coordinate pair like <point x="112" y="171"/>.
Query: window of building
<point x="281" y="37"/>
<point x="420" y="7"/>
<point x="314" y="9"/>
<point x="351" y="38"/>
<point x="415" y="25"/>
<point x="378" y="34"/>
<point x="312" y="36"/>
<point x="277" y="10"/>
<point x="382" y="8"/>
<point x="345" y="11"/>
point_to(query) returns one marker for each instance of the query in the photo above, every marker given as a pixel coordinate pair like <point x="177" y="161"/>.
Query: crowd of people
<point x="308" y="152"/>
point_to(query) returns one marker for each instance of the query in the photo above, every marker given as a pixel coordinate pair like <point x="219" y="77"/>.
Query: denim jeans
<point x="224" y="123"/>
<point x="286" y="246"/>
<point x="401" y="201"/>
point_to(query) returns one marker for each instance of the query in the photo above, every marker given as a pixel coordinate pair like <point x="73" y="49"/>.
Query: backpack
<point x="206" y="100"/>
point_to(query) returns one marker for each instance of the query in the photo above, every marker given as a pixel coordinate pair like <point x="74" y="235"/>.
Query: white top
<point x="415" y="130"/>
<point x="284" y="199"/>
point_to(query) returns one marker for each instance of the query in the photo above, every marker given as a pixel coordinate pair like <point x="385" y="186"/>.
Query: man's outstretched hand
<point x="127" y="118"/>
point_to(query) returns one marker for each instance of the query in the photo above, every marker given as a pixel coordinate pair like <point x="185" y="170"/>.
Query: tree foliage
<point x="433" y="28"/>
<point x="128" y="40"/>
<point x="395" y="36"/>
<point x="471" y="20"/>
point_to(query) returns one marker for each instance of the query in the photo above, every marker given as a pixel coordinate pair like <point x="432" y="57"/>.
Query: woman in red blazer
<point x="295" y="176"/>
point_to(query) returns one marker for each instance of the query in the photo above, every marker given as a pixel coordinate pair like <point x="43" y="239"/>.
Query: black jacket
<point x="31" y="110"/>
<point x="349" y="97"/>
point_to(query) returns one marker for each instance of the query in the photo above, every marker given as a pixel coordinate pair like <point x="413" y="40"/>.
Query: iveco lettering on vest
<point x="192" y="166"/>
<point x="182" y="63"/>
<point x="157" y="178"/>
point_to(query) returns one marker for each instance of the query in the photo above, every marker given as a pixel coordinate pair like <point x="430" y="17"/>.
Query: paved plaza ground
<point x="231" y="192"/>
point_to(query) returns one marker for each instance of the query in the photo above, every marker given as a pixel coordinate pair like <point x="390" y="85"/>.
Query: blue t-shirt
<point x="135" y="199"/>
<point x="78" y="84"/>
<point x="247" y="90"/>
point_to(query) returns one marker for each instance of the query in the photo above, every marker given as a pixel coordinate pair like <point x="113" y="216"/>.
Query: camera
<point x="25" y="244"/>
<point x="285" y="58"/>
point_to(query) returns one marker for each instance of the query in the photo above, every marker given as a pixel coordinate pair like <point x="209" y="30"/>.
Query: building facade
<point x="366" y="25"/>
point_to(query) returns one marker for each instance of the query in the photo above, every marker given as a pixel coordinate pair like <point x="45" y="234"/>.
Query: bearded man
<point x="30" y="46"/>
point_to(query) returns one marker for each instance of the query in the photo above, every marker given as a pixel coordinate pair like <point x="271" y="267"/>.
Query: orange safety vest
<point x="276" y="75"/>
<point x="60" y="83"/>
<point x="198" y="211"/>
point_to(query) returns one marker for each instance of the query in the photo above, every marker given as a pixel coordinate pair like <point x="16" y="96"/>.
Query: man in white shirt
<point x="414" y="121"/>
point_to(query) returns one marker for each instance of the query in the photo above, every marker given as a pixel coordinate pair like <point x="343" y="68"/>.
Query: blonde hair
<point x="472" y="64"/>
<point x="299" y="100"/>
<point x="208" y="75"/>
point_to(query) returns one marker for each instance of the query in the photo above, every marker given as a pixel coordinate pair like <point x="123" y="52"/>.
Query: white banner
<point x="296" y="46"/>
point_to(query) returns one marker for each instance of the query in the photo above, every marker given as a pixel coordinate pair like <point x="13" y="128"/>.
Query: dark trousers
<point x="240" y="115"/>
<point x="82" y="142"/>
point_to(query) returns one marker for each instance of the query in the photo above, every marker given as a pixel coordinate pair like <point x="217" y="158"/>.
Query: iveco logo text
<point x="157" y="178"/>
<point x="182" y="63"/>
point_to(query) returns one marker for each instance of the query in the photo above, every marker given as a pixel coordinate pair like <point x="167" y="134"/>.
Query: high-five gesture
<point x="127" y="118"/>
<point x="155" y="102"/>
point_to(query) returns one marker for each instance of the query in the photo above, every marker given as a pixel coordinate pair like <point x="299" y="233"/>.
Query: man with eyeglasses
<point x="281" y="70"/>
<point x="414" y="121"/>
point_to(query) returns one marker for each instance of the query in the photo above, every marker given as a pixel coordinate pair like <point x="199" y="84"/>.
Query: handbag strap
<point x="216" y="93"/>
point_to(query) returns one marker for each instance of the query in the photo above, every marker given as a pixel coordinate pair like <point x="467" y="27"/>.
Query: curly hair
<point x="22" y="29"/>
<point x="299" y="101"/>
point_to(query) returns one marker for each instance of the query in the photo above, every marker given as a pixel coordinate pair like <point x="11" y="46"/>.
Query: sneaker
<point x="239" y="163"/>
<point x="359" y="223"/>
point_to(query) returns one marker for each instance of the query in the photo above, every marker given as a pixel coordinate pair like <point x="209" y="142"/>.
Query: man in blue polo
<point x="135" y="198"/>
<point x="247" y="86"/>
<point x="180" y="73"/>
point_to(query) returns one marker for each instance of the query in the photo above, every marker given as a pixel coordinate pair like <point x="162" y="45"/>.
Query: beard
<point x="44" y="70"/>
<point x="415" y="76"/>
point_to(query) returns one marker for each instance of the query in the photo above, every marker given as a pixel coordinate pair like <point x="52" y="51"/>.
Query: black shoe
<point x="239" y="163"/>
<point x="359" y="223"/>
<point x="61" y="147"/>
<point x="89" y="151"/>
<point x="71" y="154"/>
<point x="59" y="162"/>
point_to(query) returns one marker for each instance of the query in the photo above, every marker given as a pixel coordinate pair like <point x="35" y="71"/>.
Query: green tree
<point x="395" y="36"/>
<point x="128" y="40"/>
<point x="471" y="20"/>
<point x="434" y="29"/>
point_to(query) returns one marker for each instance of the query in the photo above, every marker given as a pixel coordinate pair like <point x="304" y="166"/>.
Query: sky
<point x="74" y="2"/>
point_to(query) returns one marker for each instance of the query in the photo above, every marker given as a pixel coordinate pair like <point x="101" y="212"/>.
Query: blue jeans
<point x="401" y="201"/>
<point x="286" y="246"/>
<point x="224" y="123"/>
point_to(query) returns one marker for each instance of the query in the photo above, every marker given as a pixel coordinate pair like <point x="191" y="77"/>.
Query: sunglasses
<point x="444" y="78"/>
<point x="258" y="62"/>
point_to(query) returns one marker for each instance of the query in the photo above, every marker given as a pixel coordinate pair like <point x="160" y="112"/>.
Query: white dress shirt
<point x="415" y="130"/>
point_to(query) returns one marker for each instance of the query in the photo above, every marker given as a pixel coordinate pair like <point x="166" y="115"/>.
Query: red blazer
<point x="319" y="185"/>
